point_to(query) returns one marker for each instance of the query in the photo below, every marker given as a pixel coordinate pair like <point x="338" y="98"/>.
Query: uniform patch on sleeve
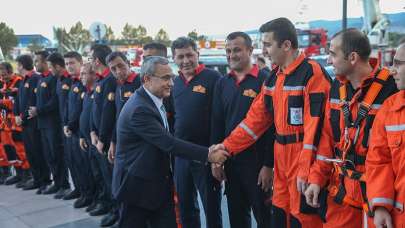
<point x="65" y="87"/>
<point x="250" y="93"/>
<point x="111" y="96"/>
<point x="199" y="89"/>
<point x="127" y="94"/>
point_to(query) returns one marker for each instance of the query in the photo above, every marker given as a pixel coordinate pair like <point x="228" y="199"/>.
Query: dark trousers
<point x="33" y="148"/>
<point x="81" y="166"/>
<point x="52" y="143"/>
<point x="190" y="177"/>
<point x="68" y="157"/>
<point x="243" y="195"/>
<point x="132" y="216"/>
<point x="214" y="198"/>
<point x="101" y="194"/>
<point x="106" y="173"/>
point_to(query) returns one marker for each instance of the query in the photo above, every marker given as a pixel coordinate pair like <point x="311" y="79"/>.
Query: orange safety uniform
<point x="293" y="99"/>
<point x="385" y="163"/>
<point x="343" y="147"/>
<point x="10" y="133"/>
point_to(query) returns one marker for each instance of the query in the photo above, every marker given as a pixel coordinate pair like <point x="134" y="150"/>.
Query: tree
<point x="194" y="35"/>
<point x="75" y="40"/>
<point x="8" y="40"/>
<point x="109" y="36"/>
<point x="163" y="37"/>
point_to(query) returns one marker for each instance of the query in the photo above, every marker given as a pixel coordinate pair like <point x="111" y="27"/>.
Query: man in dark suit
<point x="142" y="178"/>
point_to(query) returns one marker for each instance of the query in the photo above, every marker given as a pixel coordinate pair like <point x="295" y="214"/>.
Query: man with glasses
<point x="385" y="178"/>
<point x="142" y="171"/>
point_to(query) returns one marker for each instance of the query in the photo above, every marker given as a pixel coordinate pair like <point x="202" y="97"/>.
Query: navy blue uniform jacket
<point x="142" y="175"/>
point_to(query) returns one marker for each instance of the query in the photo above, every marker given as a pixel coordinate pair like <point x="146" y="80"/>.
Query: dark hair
<point x="183" y="42"/>
<point x="114" y="55"/>
<point x="353" y="40"/>
<point x="56" y="59"/>
<point x="283" y="29"/>
<point x="74" y="54"/>
<point x="7" y="66"/>
<point x="100" y="52"/>
<point x="44" y="54"/>
<point x="26" y="62"/>
<point x="245" y="36"/>
<point x="162" y="49"/>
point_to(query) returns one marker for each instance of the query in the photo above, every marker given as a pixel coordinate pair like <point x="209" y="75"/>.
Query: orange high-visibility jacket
<point x="293" y="99"/>
<point x="385" y="163"/>
<point x="332" y="142"/>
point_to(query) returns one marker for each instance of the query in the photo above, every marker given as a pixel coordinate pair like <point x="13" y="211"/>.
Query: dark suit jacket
<point x="142" y="174"/>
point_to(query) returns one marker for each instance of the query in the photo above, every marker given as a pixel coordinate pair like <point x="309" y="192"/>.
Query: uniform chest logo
<point x="111" y="96"/>
<point x="44" y="85"/>
<point x="199" y="89"/>
<point x="26" y="85"/>
<point x="98" y="89"/>
<point x="65" y="87"/>
<point x="127" y="94"/>
<point x="249" y="93"/>
<point x="76" y="89"/>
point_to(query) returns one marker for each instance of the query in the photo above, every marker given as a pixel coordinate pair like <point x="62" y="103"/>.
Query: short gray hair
<point x="149" y="65"/>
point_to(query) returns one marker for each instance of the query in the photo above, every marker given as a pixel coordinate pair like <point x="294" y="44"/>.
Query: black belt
<point x="289" y="139"/>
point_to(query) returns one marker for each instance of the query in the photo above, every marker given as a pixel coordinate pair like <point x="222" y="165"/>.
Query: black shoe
<point x="100" y="209"/>
<point x="92" y="206"/>
<point x="30" y="185"/>
<point x="21" y="184"/>
<point x="41" y="189"/>
<point x="52" y="189"/>
<point x="109" y="219"/>
<point x="72" y="195"/>
<point x="61" y="193"/>
<point x="12" y="180"/>
<point x="2" y="180"/>
<point x="82" y="202"/>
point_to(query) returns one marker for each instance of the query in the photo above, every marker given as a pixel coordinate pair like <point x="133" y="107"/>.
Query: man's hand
<point x="218" y="172"/>
<point x="111" y="153"/>
<point x="301" y="185"/>
<point x="94" y="138"/>
<point x="100" y="146"/>
<point x="217" y="154"/>
<point x="32" y="112"/>
<point x="18" y="120"/>
<point x="66" y="131"/>
<point x="382" y="218"/>
<point x="83" y="144"/>
<point x="265" y="178"/>
<point x="312" y="195"/>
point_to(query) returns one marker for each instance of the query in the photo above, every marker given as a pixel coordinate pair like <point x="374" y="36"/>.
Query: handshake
<point x="218" y="154"/>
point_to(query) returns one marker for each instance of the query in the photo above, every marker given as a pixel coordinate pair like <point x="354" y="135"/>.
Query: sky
<point x="177" y="17"/>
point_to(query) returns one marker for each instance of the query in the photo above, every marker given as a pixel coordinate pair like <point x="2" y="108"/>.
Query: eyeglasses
<point x="397" y="62"/>
<point x="165" y="78"/>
